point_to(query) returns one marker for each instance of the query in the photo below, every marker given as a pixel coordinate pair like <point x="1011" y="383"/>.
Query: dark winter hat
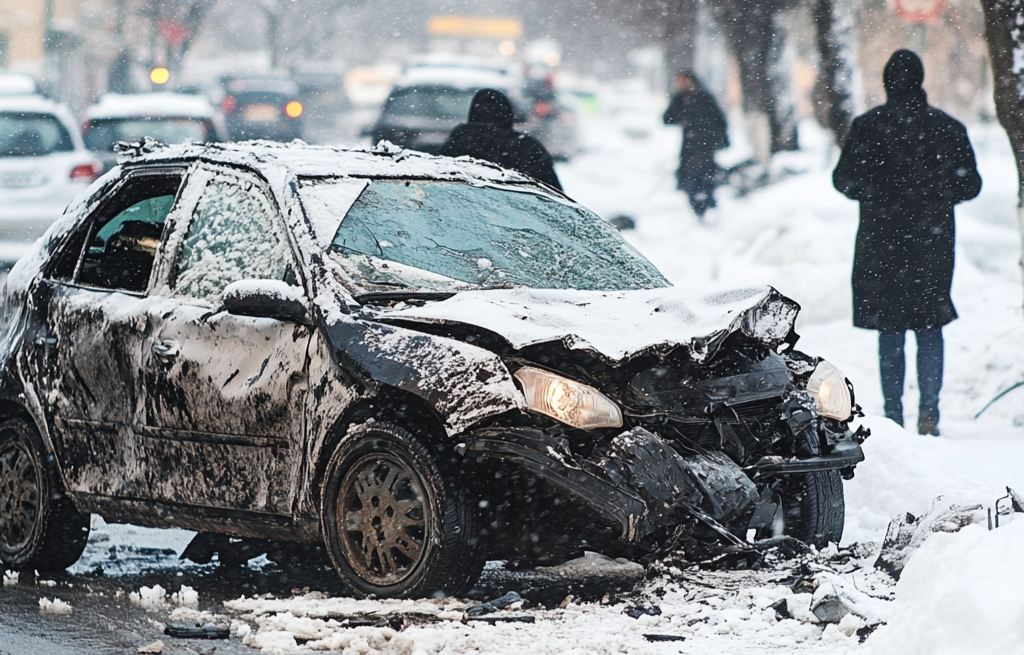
<point x="493" y="107"/>
<point x="903" y="74"/>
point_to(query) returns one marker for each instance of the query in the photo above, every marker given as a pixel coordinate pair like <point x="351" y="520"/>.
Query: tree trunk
<point x="833" y="90"/>
<point x="1004" y="31"/>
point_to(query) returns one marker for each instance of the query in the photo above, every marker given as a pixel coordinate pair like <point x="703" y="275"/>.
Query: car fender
<point x="464" y="384"/>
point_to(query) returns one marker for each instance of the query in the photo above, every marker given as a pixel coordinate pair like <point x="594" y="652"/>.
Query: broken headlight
<point x="572" y="403"/>
<point x="828" y="386"/>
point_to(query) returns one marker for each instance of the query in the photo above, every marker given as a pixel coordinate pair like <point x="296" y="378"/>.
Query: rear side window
<point x="102" y="134"/>
<point x="232" y="237"/>
<point x="32" y="135"/>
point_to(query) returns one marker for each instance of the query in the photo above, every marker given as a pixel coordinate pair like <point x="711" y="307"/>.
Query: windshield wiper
<point x="392" y="296"/>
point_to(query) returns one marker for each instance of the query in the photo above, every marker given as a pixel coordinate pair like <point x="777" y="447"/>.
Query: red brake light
<point x="228" y="105"/>
<point x="87" y="172"/>
<point x="543" y="108"/>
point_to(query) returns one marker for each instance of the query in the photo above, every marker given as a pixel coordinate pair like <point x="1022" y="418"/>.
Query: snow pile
<point x="10" y="578"/>
<point x="960" y="593"/>
<point x="185" y="597"/>
<point x="283" y="633"/>
<point x="55" y="606"/>
<point x="149" y="598"/>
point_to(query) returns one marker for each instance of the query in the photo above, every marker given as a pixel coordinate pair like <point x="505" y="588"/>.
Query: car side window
<point x="232" y="237"/>
<point x="120" y="242"/>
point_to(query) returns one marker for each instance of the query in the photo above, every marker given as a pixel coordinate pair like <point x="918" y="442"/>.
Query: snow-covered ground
<point x="961" y="593"/>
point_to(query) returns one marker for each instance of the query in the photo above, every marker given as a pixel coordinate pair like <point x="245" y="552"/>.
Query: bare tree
<point x="1004" y="31"/>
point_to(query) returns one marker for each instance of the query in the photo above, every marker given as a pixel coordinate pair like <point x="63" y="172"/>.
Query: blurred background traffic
<point x="78" y="76"/>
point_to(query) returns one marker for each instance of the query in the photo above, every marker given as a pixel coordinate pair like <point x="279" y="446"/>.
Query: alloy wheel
<point x="19" y="496"/>
<point x="384" y="518"/>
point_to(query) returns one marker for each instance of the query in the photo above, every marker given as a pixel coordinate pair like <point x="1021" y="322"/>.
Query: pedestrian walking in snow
<point x="704" y="132"/>
<point x="489" y="136"/>
<point x="908" y="164"/>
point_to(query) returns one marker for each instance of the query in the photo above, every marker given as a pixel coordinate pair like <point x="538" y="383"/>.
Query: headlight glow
<point x="572" y="403"/>
<point x="828" y="385"/>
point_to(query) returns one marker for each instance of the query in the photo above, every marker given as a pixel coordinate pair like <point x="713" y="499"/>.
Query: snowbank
<point x="961" y="593"/>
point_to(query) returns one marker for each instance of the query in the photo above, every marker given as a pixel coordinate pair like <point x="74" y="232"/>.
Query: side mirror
<point x="266" y="299"/>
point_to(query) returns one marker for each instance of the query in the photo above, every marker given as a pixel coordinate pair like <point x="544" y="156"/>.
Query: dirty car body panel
<point x="218" y="336"/>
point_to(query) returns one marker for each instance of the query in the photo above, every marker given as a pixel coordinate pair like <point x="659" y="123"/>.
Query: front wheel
<point x="394" y="524"/>
<point x="39" y="526"/>
<point x="813" y="507"/>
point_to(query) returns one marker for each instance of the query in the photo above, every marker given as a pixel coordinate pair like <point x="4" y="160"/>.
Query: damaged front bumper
<point x="640" y="483"/>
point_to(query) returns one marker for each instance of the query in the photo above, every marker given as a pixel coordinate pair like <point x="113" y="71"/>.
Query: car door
<point x="224" y="394"/>
<point x="87" y="353"/>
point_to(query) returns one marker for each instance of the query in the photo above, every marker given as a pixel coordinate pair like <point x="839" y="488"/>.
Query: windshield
<point x="32" y="135"/>
<point x="441" y="236"/>
<point x="103" y="134"/>
<point x="429" y="102"/>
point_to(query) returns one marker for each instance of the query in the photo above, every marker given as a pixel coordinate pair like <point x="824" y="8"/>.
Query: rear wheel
<point x="40" y="528"/>
<point x="394" y="523"/>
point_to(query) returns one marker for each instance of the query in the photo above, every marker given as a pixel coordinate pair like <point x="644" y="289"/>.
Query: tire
<point x="430" y="546"/>
<point x="40" y="528"/>
<point x="813" y="504"/>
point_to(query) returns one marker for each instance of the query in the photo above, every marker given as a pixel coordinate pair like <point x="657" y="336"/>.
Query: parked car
<point x="426" y="104"/>
<point x="415" y="362"/>
<point x="165" y="117"/>
<point x="551" y="119"/>
<point x="43" y="166"/>
<point x="262" y="108"/>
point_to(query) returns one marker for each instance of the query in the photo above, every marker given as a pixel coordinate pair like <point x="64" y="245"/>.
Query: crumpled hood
<point x="616" y="324"/>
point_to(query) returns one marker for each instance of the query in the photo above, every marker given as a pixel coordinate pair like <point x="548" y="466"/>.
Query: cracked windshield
<point x="483" y="236"/>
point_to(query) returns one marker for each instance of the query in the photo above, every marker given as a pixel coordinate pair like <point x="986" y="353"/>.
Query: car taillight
<point x="228" y="105"/>
<point x="87" y="172"/>
<point x="543" y="108"/>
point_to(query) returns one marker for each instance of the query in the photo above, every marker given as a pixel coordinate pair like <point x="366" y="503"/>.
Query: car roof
<point x="156" y="105"/>
<point x="455" y="77"/>
<point x="17" y="84"/>
<point x="303" y="160"/>
<point x="261" y="85"/>
<point x="32" y="103"/>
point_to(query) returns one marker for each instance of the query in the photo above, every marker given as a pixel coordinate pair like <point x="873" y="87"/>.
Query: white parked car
<point x="43" y="166"/>
<point x="165" y="117"/>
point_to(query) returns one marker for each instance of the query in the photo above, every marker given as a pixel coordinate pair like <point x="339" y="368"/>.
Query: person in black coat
<point x="908" y="164"/>
<point x="489" y="136"/>
<point x="704" y="132"/>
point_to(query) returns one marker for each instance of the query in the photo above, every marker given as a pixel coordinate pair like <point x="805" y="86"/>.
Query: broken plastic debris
<point x="197" y="631"/>
<point x="664" y="637"/>
<point x="906" y="533"/>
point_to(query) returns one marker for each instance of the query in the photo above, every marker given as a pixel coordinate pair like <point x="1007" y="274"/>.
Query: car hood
<point x="616" y="325"/>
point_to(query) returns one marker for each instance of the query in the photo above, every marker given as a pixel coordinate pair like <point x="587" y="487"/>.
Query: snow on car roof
<point x="162" y="104"/>
<point x="384" y="160"/>
<point x="457" y="77"/>
<point x="32" y="104"/>
<point x="17" y="84"/>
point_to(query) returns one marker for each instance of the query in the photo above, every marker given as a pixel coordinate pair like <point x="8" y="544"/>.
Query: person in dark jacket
<point x="489" y="136"/>
<point x="908" y="164"/>
<point x="704" y="132"/>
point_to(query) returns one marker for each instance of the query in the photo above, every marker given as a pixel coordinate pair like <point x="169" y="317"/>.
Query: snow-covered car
<point x="43" y="166"/>
<point x="415" y="362"/>
<point x="165" y="117"/>
<point x="427" y="103"/>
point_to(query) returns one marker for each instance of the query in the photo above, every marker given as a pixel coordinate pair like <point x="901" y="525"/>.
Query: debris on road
<point x="155" y="647"/>
<point x="906" y="533"/>
<point x="197" y="630"/>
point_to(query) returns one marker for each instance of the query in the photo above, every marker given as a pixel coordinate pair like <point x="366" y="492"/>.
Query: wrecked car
<point x="415" y="362"/>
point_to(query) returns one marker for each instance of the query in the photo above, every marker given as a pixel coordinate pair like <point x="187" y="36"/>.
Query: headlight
<point x="572" y="403"/>
<point x="828" y="385"/>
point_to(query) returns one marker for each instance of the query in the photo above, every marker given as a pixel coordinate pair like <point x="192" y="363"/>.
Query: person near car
<point x="489" y="135"/>
<point x="908" y="164"/>
<point x="704" y="131"/>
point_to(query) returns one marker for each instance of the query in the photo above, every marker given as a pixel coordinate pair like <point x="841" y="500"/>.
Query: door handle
<point x="166" y="349"/>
